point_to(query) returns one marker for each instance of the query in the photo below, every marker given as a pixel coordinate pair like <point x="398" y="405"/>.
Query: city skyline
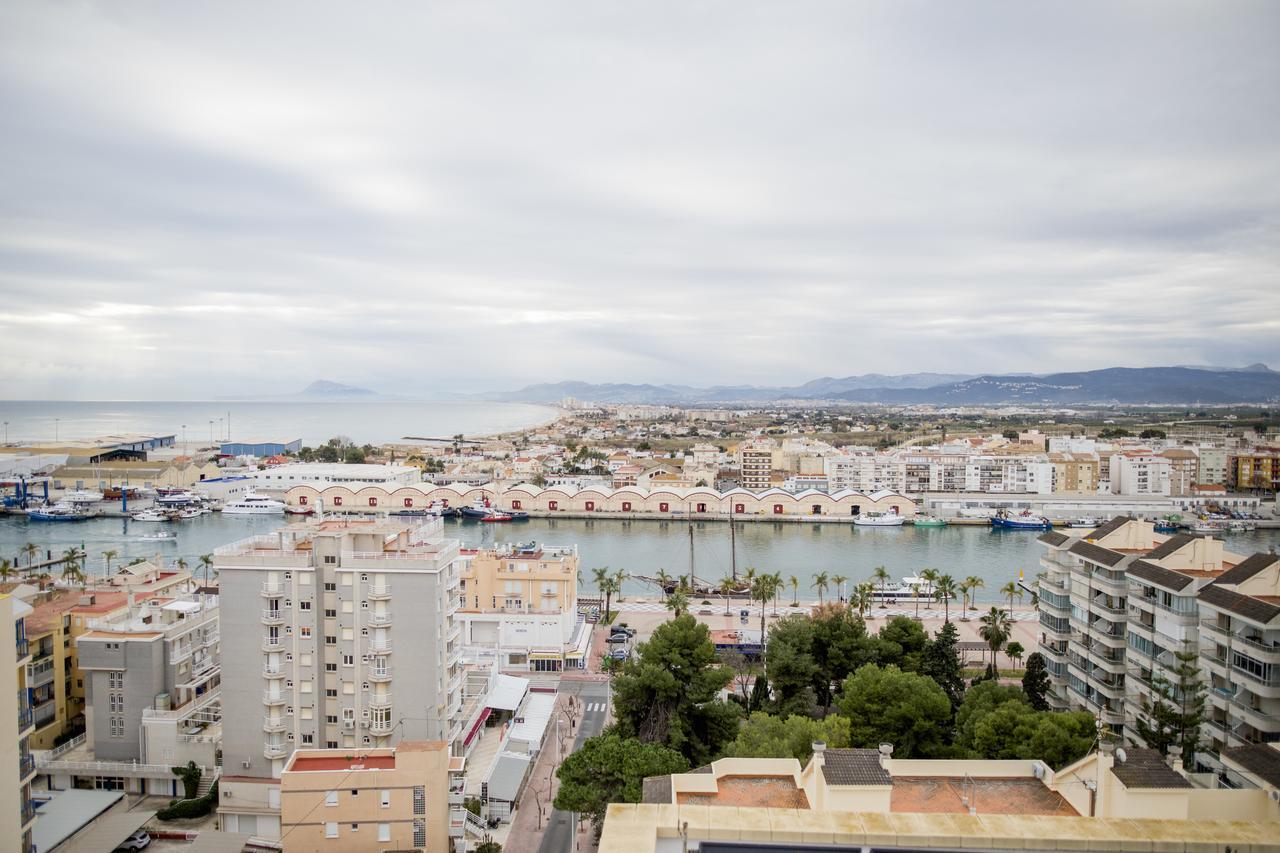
<point x="244" y="199"/>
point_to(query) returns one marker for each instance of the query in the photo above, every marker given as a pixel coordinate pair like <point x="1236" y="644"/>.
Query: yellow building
<point x="17" y="766"/>
<point x="1259" y="470"/>
<point x="339" y="800"/>
<point x="143" y="474"/>
<point x="1075" y="472"/>
<point x="51" y="675"/>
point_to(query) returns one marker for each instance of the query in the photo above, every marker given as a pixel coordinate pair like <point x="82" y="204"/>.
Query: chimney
<point x="819" y="750"/>
<point x="886" y="752"/>
<point x="1174" y="758"/>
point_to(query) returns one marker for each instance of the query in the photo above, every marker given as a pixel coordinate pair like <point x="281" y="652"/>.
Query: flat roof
<point x="949" y="794"/>
<point x="315" y="763"/>
<point x="67" y="812"/>
<point x="779" y="792"/>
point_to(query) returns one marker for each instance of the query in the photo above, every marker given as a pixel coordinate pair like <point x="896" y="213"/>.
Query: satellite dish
<point x="1122" y="756"/>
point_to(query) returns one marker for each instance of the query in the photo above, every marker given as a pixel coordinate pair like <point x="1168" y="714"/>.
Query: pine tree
<point x="759" y="694"/>
<point x="1035" y="682"/>
<point x="1174" y="714"/>
<point x="941" y="662"/>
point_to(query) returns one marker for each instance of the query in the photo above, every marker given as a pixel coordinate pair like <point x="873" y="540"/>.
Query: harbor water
<point x="638" y="547"/>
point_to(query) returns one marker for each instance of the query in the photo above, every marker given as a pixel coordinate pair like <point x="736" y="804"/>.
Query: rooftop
<point x="956" y="795"/>
<point x="779" y="792"/>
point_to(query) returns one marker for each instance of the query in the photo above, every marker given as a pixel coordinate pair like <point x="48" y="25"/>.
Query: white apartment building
<point x="1139" y="472"/>
<point x="337" y="633"/>
<point x="283" y="477"/>
<point x="1117" y="604"/>
<point x="1212" y="465"/>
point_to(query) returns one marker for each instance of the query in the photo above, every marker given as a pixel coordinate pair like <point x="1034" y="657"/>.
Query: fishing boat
<point x="480" y="510"/>
<point x="929" y="521"/>
<point x="59" y="512"/>
<point x="162" y="536"/>
<point x="253" y="504"/>
<point x="151" y="514"/>
<point x="1024" y="520"/>
<point x="879" y="519"/>
<point x="1169" y="524"/>
<point x="1086" y="521"/>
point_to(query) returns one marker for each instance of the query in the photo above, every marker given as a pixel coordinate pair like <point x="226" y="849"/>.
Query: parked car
<point x="618" y="638"/>
<point x="138" y="841"/>
<point x="619" y="654"/>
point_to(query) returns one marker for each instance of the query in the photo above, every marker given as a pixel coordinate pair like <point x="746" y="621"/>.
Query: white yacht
<point x="879" y="519"/>
<point x="252" y="504"/>
<point x="152" y="514"/>
<point x="82" y="496"/>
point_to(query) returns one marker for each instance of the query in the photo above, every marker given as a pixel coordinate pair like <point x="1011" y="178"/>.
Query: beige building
<point x="1184" y="468"/>
<point x="1211" y="466"/>
<point x="143" y="474"/>
<point x="1113" y="799"/>
<point x="1075" y="472"/>
<point x="755" y="465"/>
<point x="371" y="799"/>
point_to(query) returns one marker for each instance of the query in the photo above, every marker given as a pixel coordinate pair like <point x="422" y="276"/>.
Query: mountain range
<point x="1180" y="385"/>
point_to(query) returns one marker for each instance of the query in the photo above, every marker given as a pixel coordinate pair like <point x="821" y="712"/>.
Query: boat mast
<point x="733" y="548"/>
<point x="692" y="580"/>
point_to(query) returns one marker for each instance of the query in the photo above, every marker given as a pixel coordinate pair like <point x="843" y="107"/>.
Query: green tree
<point x="795" y="590"/>
<point x="789" y="665"/>
<point x="206" y="563"/>
<point x="666" y="693"/>
<point x="995" y="629"/>
<point x="1010" y="591"/>
<point x="727" y="587"/>
<point x="6" y="570"/>
<point x="974" y="583"/>
<point x="945" y="591"/>
<point x="1035" y="682"/>
<point x="488" y="845"/>
<point x="190" y="775"/>
<point x="862" y="597"/>
<point x="1157" y="433"/>
<point x="1014" y="730"/>
<point x="1015" y="651"/>
<point x="839" y="580"/>
<point x="909" y="636"/>
<point x="1175" y="713"/>
<point x="107" y="557"/>
<point x="903" y="708"/>
<point x="930" y="577"/>
<point x="881" y="575"/>
<point x="941" y="662"/>
<point x="678" y="602"/>
<point x="605" y="586"/>
<point x="979" y="700"/>
<point x="820" y="582"/>
<point x="611" y="769"/>
<point x="767" y="736"/>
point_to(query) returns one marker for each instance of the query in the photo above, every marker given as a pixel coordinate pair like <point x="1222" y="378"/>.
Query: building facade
<point x="17" y="767"/>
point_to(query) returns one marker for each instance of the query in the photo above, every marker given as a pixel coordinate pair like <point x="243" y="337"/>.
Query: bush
<point x="184" y="809"/>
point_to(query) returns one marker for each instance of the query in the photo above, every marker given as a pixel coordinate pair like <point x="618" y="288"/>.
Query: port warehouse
<point x="259" y="449"/>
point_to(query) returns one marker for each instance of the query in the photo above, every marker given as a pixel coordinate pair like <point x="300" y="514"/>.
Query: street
<point x="593" y="695"/>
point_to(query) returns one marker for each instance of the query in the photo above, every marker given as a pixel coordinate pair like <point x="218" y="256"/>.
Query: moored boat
<point x="1086" y="521"/>
<point x="59" y="512"/>
<point x="879" y="519"/>
<point x="928" y="521"/>
<point x="253" y="504"/>
<point x="151" y="514"/>
<point x="1024" y="520"/>
<point x="81" y="496"/>
<point x="162" y="536"/>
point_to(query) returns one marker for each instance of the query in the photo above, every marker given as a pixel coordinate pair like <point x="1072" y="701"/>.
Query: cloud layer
<point x="239" y="197"/>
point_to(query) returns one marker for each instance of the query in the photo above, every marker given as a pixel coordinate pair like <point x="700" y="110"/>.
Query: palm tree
<point x="30" y="549"/>
<point x="975" y="583"/>
<point x="181" y="563"/>
<point x="604" y="585"/>
<point x="863" y="593"/>
<point x="1010" y="590"/>
<point x="776" y="583"/>
<point x="946" y="593"/>
<point x="795" y="590"/>
<point x="6" y="570"/>
<point x="664" y="580"/>
<point x="995" y="630"/>
<point x="839" y="580"/>
<point x="929" y="576"/>
<point x="206" y="562"/>
<point x="107" y="557"/>
<point x="763" y="590"/>
<point x="678" y="602"/>
<point x="619" y="577"/>
<point x="820" y="583"/>
<point x="881" y="574"/>
<point x="726" y="588"/>
<point x="71" y="566"/>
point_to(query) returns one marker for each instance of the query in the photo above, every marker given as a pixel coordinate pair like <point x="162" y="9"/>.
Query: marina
<point x="640" y="547"/>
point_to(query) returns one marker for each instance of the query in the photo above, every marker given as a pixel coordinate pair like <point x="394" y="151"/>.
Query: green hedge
<point x="199" y="807"/>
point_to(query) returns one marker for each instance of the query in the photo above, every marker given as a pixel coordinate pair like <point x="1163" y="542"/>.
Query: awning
<point x="183" y="606"/>
<point x="545" y="655"/>
<point x="507" y="693"/>
<point x="477" y="726"/>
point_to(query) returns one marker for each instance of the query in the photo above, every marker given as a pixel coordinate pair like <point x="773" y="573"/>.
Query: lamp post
<point x="55" y="429"/>
<point x="211" y="432"/>
<point x="184" y="441"/>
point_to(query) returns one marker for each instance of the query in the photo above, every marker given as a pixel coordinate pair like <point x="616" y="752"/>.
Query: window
<point x="330" y="667"/>
<point x="386" y="799"/>
<point x="330" y="641"/>
<point x="330" y="613"/>
<point x="331" y="692"/>
<point x="384" y="832"/>
<point x="330" y="587"/>
<point x="332" y="719"/>
<point x="626" y="506"/>
<point x="331" y="829"/>
<point x="515" y="504"/>
<point x="304" y="631"/>
<point x="591" y="505"/>
<point x="739" y="507"/>
<point x="553" y="505"/>
<point x="304" y="605"/>
<point x="777" y="509"/>
<point x="408" y="501"/>
<point x="331" y="797"/>
<point x="355" y="827"/>
<point x="302" y="500"/>
<point x="348" y="660"/>
<point x="331" y="744"/>
<point x="337" y="502"/>
<point x="664" y="507"/>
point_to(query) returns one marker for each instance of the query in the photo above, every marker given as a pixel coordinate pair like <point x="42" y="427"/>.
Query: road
<point x="558" y="837"/>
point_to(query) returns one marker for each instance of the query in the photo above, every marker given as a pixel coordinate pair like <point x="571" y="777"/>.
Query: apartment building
<point x="755" y="462"/>
<point x="520" y="602"/>
<point x="372" y="799"/>
<point x="1184" y="467"/>
<point x="1211" y="466"/>
<point x="1258" y="470"/>
<point x="17" y="767"/>
<point x="1118" y="604"/>
<point x="57" y="707"/>
<point x="1075" y="472"/>
<point x="339" y="635"/>
<point x="1139" y="472"/>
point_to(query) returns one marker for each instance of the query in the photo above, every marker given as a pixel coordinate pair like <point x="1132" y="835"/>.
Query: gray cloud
<point x="239" y="198"/>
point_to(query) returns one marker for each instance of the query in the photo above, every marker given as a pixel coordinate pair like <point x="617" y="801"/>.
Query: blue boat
<point x="1022" y="521"/>
<point x="59" y="512"/>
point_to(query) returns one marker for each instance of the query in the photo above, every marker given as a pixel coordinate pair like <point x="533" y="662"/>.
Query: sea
<point x="639" y="547"/>
<point x="200" y="423"/>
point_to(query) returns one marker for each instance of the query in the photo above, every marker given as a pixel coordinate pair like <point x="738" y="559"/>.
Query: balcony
<point x="1264" y="685"/>
<point x="26" y="766"/>
<point x="269" y="698"/>
<point x="381" y="727"/>
<point x="273" y="725"/>
<point x="39" y="673"/>
<point x="1261" y="651"/>
<point x="380" y="647"/>
<point x="379" y="674"/>
<point x="27" y="813"/>
<point x="275" y="750"/>
<point x="273" y="617"/>
<point x="24" y="648"/>
<point x="272" y="671"/>
<point x="455" y="633"/>
<point x="25" y="717"/>
<point x="1253" y="715"/>
<point x="272" y="644"/>
<point x="379" y="700"/>
<point x="271" y="589"/>
<point x="379" y="592"/>
<point x="379" y="620"/>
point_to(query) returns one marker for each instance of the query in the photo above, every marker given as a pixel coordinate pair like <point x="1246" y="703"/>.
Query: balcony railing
<point x="380" y="647"/>
<point x="379" y="620"/>
<point x="379" y="700"/>
<point x="274" y="698"/>
<point x="272" y="617"/>
<point x="380" y="673"/>
<point x="272" y="644"/>
<point x="26" y="766"/>
<point x="379" y="591"/>
<point x="272" y="725"/>
<point x="275" y="750"/>
<point x="272" y="671"/>
<point x="24" y="647"/>
<point x="270" y="588"/>
<point x="380" y="727"/>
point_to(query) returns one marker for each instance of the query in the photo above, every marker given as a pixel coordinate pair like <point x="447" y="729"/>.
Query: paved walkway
<point x="534" y="809"/>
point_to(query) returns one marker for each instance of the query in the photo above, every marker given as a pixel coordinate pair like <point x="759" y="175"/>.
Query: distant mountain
<point x="327" y="388"/>
<point x="1161" y="385"/>
<point x="1174" y="385"/>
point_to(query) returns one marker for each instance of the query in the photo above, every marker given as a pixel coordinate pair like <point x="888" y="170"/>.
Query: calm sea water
<point x="314" y="422"/>
<point x="640" y="547"/>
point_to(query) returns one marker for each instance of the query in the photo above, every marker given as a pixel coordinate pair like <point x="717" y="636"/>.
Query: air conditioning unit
<point x="244" y="764"/>
<point x="1275" y="795"/>
<point x="348" y="724"/>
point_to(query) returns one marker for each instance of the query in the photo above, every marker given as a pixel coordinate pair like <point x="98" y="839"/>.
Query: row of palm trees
<point x="73" y="564"/>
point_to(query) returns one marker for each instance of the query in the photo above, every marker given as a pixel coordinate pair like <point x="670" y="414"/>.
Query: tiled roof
<point x="1260" y="759"/>
<point x="1145" y="768"/>
<point x="1167" y="578"/>
<point x="1169" y="546"/>
<point x="1053" y="538"/>
<point x="1247" y="569"/>
<point x="854" y="767"/>
<point x="1110" y="527"/>
<point x="1241" y="605"/>
<point x="1096" y="554"/>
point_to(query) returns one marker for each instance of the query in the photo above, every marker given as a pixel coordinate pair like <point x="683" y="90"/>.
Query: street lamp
<point x="211" y="432"/>
<point x="55" y="429"/>
<point x="184" y="441"/>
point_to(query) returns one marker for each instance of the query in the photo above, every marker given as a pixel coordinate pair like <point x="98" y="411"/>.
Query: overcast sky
<point x="217" y="198"/>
